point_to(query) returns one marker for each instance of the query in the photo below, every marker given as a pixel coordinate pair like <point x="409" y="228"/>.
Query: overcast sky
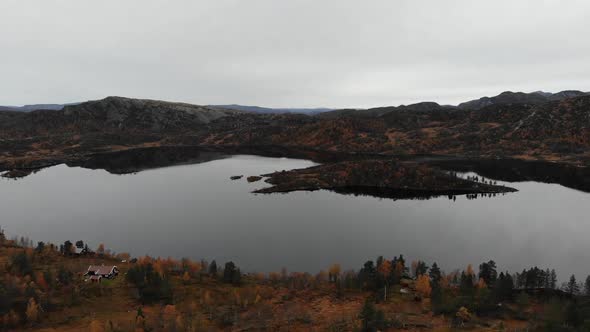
<point x="295" y="53"/>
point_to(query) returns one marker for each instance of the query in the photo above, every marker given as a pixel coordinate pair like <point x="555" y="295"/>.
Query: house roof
<point x="101" y="269"/>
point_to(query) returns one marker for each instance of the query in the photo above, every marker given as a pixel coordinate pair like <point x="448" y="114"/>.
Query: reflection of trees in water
<point x="511" y="170"/>
<point x="419" y="196"/>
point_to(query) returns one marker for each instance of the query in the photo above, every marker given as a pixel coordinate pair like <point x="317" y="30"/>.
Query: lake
<point x="196" y="211"/>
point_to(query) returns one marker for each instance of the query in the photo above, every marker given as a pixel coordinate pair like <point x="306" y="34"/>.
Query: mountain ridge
<point x="509" y="97"/>
<point x="557" y="130"/>
<point x="505" y="97"/>
<point x="272" y="110"/>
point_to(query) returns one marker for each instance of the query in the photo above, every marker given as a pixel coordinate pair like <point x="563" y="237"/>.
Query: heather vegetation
<point x="43" y="286"/>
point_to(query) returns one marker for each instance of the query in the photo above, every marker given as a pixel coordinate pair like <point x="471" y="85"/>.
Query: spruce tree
<point x="587" y="286"/>
<point x="572" y="286"/>
<point x="213" y="268"/>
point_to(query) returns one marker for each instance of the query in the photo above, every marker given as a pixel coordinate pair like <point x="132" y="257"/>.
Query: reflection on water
<point x="141" y="159"/>
<point x="513" y="170"/>
<point x="197" y="211"/>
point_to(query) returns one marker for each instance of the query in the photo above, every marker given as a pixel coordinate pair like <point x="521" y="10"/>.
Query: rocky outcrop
<point x="254" y="178"/>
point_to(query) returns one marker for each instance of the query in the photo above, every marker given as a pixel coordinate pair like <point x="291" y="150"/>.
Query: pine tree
<point x="231" y="274"/>
<point x="547" y="284"/>
<point x="367" y="315"/>
<point x="487" y="272"/>
<point x="572" y="286"/>
<point x="372" y="319"/>
<point x="434" y="273"/>
<point x="213" y="268"/>
<point x="505" y="286"/>
<point x="466" y="284"/>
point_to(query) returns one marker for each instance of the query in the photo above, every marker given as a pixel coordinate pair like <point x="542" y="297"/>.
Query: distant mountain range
<point x="235" y="107"/>
<point x="531" y="126"/>
<point x="266" y="110"/>
<point x="507" y="97"/>
<point x="35" y="107"/>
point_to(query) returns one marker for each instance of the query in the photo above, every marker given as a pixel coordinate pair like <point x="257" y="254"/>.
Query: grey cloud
<point x="297" y="53"/>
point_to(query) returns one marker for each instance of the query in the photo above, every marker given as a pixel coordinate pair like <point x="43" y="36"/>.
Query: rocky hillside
<point x="111" y="114"/>
<point x="509" y="97"/>
<point x="555" y="130"/>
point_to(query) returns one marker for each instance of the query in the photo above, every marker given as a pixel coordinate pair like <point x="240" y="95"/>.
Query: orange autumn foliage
<point x="423" y="285"/>
<point x="40" y="280"/>
<point x="481" y="284"/>
<point x="96" y="326"/>
<point x="334" y="271"/>
<point x="385" y="268"/>
<point x="399" y="268"/>
<point x="32" y="311"/>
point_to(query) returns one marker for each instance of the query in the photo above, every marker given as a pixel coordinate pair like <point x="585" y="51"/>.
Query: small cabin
<point x="97" y="272"/>
<point x="97" y="279"/>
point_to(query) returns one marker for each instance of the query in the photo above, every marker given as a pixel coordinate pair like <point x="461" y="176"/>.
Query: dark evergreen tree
<point x="379" y="261"/>
<point x="21" y="264"/>
<point x="152" y="287"/>
<point x="436" y="296"/>
<point x="435" y="274"/>
<point x="68" y="248"/>
<point x="487" y="272"/>
<point x="572" y="286"/>
<point x="421" y="268"/>
<point x="371" y="319"/>
<point x="402" y="261"/>
<point x="231" y="274"/>
<point x="547" y="284"/>
<point x="368" y="276"/>
<point x="466" y="286"/>
<point x="504" y="287"/>
<point x="213" y="268"/>
<point x="64" y="276"/>
<point x="587" y="286"/>
<point x="40" y="246"/>
<point x="86" y="250"/>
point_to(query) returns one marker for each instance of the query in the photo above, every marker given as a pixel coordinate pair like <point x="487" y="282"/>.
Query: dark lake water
<point x="197" y="211"/>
